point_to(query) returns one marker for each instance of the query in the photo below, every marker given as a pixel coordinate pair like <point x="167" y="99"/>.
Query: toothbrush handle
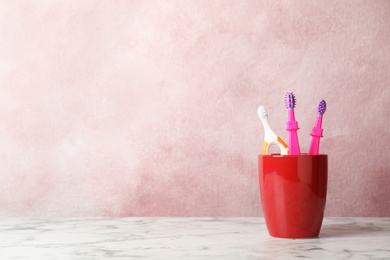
<point x="280" y="143"/>
<point x="292" y="127"/>
<point x="293" y="143"/>
<point x="314" y="145"/>
<point x="316" y="134"/>
<point x="265" y="148"/>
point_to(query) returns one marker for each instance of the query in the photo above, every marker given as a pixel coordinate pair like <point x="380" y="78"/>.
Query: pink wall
<point x="148" y="108"/>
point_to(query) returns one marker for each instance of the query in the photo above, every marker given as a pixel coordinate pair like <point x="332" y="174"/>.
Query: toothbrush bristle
<point x="290" y="100"/>
<point x="321" y="108"/>
<point x="262" y="112"/>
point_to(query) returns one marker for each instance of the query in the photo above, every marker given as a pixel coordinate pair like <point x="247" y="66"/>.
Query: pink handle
<point x="293" y="143"/>
<point x="292" y="127"/>
<point x="316" y="134"/>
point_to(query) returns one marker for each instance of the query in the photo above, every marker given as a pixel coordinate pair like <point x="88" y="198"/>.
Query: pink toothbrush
<point x="292" y="125"/>
<point x="316" y="132"/>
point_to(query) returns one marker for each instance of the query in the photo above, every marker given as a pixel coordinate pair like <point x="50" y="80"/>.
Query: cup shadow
<point x="351" y="228"/>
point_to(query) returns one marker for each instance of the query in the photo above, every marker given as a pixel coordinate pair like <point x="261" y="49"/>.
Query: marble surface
<point x="187" y="238"/>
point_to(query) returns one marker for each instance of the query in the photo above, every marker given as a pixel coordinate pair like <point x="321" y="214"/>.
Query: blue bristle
<point x="290" y="100"/>
<point x="321" y="108"/>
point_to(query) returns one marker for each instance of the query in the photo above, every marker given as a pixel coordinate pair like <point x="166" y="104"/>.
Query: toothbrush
<point x="292" y="125"/>
<point x="270" y="137"/>
<point x="316" y="132"/>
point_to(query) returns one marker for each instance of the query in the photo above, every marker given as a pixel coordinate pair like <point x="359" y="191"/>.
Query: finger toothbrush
<point x="292" y="124"/>
<point x="269" y="136"/>
<point x="316" y="132"/>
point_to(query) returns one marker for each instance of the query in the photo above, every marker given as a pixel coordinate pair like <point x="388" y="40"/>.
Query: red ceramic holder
<point x="293" y="193"/>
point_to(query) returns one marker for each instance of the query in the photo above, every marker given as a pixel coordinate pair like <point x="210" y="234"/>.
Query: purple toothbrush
<point x="292" y="125"/>
<point x="316" y="132"/>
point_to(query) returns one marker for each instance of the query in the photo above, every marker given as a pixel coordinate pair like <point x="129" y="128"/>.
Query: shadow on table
<point x="351" y="229"/>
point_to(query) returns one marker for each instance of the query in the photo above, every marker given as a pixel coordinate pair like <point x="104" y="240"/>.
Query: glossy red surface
<point x="293" y="193"/>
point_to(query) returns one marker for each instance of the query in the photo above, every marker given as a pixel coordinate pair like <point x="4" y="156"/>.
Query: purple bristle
<point x="321" y="108"/>
<point x="289" y="100"/>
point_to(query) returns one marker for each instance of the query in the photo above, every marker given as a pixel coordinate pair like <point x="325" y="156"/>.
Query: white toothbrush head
<point x="262" y="112"/>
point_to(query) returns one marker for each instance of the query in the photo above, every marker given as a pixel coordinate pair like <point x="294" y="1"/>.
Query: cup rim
<point x="277" y="155"/>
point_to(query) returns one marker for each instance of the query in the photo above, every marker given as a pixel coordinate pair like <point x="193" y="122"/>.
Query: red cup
<point x="293" y="193"/>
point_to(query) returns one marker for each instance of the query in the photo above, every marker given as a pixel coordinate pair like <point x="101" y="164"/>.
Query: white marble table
<point x="187" y="238"/>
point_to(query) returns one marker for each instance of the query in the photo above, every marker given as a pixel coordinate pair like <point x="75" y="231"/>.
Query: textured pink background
<point x="148" y="108"/>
